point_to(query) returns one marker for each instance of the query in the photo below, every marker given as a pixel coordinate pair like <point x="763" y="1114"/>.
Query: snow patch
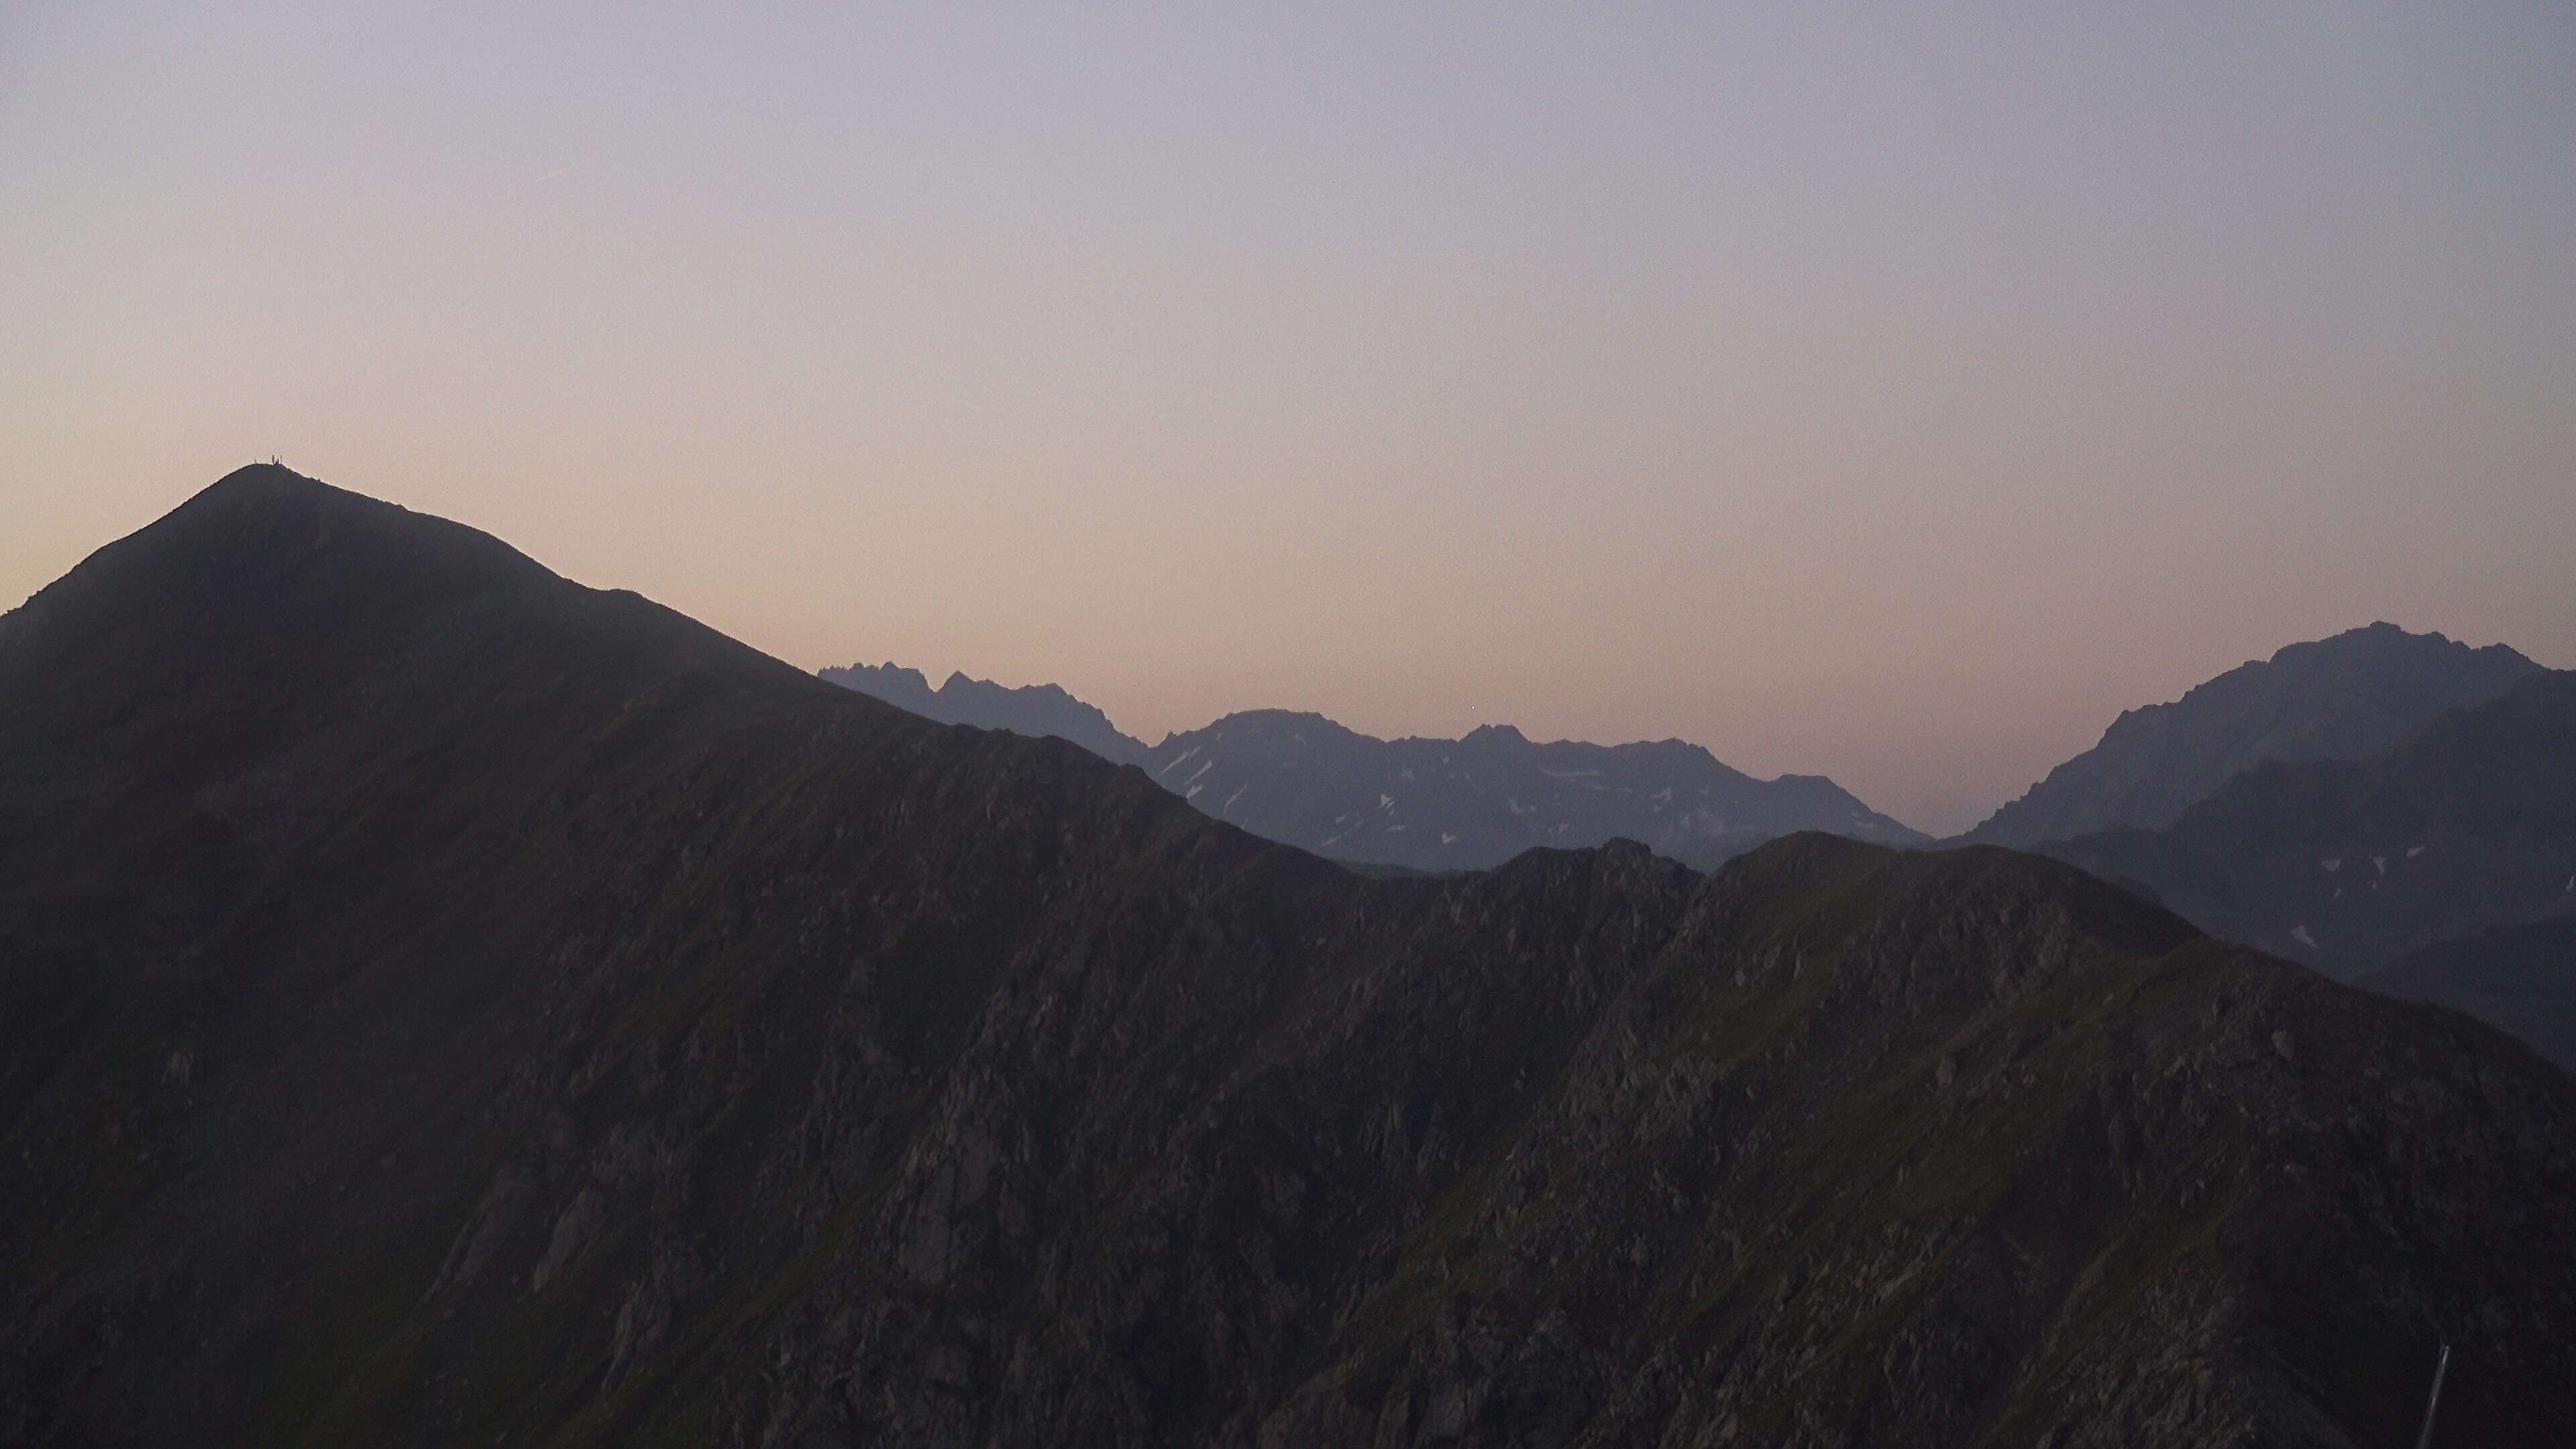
<point x="1228" y="807"/>
<point x="2332" y="865"/>
<point x="2380" y="861"/>
<point x="2300" y="935"/>
<point x="1182" y="759"/>
<point x="1192" y="793"/>
<point x="2413" y="851"/>
<point x="1448" y="839"/>
<point x="1386" y="802"/>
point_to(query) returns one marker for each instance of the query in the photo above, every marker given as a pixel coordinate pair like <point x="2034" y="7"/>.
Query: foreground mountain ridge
<point x="2348" y="697"/>
<point x="1417" y="803"/>
<point x="445" y="1004"/>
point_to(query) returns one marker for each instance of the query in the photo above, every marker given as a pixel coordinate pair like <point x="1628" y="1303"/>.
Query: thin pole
<point x="2425" y="1439"/>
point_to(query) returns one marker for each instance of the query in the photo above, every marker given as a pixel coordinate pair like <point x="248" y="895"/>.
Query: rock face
<point x="1437" y="805"/>
<point x="2346" y="866"/>
<point x="595" y="1032"/>
<point x="1037" y="710"/>
<point x="2345" y="698"/>
<point x="2521" y="978"/>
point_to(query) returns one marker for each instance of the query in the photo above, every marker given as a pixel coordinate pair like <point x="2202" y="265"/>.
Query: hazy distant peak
<point x="1436" y="804"/>
<point x="1422" y="803"/>
<point x="2343" y="865"/>
<point x="2344" y="697"/>
<point x="1259" y="723"/>
<point x="1033" y="709"/>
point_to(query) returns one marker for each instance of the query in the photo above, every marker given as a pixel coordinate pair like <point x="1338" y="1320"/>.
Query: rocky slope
<point x="2345" y="698"/>
<point x="2520" y="978"/>
<point x="1435" y="805"/>
<point x="2347" y="865"/>
<point x="1030" y="709"/>
<point x="441" y="1004"/>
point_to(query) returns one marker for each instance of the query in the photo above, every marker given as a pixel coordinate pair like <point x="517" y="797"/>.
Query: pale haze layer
<point x="1851" y="389"/>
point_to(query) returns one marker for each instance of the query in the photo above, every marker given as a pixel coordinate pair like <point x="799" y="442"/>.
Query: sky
<point x="1884" y="391"/>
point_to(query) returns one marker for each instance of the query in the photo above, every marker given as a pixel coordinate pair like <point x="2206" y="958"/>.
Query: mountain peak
<point x="263" y="548"/>
<point x="2343" y="697"/>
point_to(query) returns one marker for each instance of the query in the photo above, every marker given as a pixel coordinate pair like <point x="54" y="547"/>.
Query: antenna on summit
<point x="2441" y="1367"/>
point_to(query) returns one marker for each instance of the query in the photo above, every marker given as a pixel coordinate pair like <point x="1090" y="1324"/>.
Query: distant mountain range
<point x="2347" y="865"/>
<point x="1433" y="804"/>
<point x="442" y="1004"/>
<point x="2287" y="855"/>
<point x="2344" y="698"/>
<point x="1421" y="804"/>
<point x="1035" y="710"/>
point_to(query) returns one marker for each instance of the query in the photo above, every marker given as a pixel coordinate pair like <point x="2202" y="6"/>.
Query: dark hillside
<point x="2520" y="978"/>
<point x="442" y="1004"/>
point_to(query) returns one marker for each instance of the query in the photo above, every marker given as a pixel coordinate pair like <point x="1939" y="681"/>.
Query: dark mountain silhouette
<point x="1032" y="709"/>
<point x="2348" y="865"/>
<point x="441" y="1004"/>
<point x="1434" y="805"/>
<point x="2521" y="978"/>
<point x="2345" y="698"/>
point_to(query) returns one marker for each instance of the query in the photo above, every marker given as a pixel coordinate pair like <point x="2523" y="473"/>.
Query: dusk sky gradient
<point x="1884" y="391"/>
